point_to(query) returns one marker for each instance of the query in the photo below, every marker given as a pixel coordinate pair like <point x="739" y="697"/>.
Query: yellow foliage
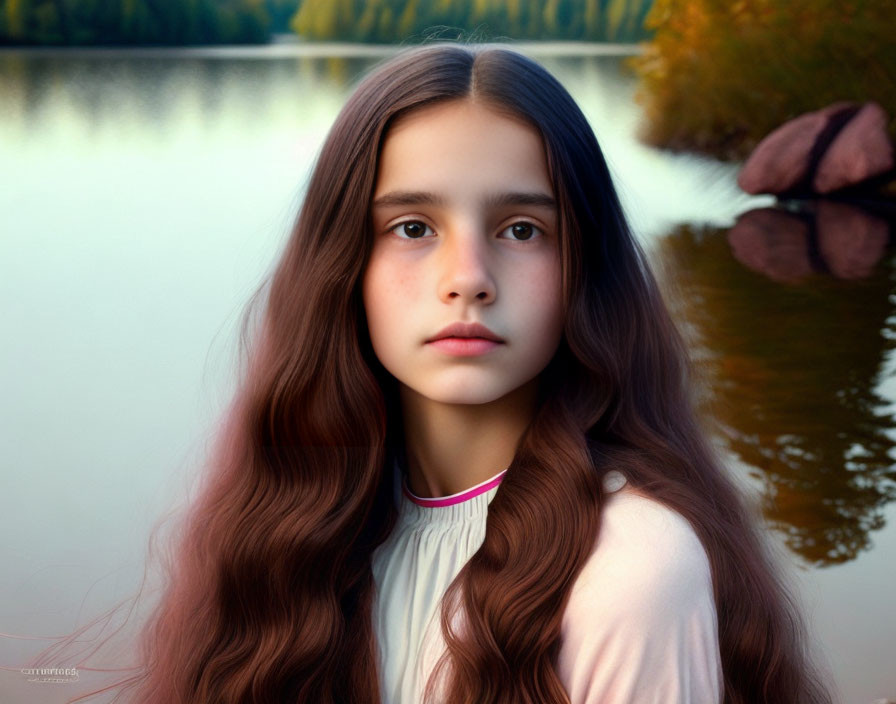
<point x="615" y="13"/>
<point x="15" y="19"/>
<point x="407" y="21"/>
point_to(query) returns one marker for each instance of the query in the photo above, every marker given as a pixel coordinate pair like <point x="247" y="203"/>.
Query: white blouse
<point x="640" y="624"/>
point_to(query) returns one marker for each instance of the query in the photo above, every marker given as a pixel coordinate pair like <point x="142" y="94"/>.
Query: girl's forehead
<point x="464" y="108"/>
<point x="461" y="144"/>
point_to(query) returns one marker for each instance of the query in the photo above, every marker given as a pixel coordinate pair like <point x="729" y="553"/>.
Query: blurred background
<point x="153" y="156"/>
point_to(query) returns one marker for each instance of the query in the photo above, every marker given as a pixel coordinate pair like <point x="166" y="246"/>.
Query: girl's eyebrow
<point x="494" y="200"/>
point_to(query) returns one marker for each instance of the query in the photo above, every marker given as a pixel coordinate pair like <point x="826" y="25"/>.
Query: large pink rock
<point x="780" y="160"/>
<point x="861" y="150"/>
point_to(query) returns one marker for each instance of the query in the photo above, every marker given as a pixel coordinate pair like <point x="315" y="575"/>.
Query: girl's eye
<point x="415" y="230"/>
<point x="522" y="230"/>
<point x="410" y="229"/>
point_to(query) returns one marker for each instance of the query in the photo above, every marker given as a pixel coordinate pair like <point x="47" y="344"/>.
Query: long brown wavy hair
<point x="270" y="591"/>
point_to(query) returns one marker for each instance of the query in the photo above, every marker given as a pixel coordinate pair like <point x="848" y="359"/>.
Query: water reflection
<point x="793" y="358"/>
<point x="95" y="86"/>
<point x="843" y="239"/>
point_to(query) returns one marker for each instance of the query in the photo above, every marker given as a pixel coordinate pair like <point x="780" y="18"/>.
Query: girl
<point x="464" y="464"/>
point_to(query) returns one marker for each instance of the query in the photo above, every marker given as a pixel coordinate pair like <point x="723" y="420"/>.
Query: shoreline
<point x="299" y="49"/>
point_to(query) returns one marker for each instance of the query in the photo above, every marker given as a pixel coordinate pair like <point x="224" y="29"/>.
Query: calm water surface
<point x="144" y="196"/>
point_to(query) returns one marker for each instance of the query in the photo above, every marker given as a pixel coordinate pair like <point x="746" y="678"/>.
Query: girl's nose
<point x="465" y="268"/>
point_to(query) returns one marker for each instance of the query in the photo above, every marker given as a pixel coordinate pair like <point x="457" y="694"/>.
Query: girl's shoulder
<point x="643" y="549"/>
<point x="640" y="623"/>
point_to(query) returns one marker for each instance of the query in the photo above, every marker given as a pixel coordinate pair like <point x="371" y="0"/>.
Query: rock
<point x="840" y="146"/>
<point x="860" y="151"/>
<point x="780" y="161"/>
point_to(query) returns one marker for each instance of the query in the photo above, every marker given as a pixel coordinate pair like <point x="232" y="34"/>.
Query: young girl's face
<point x="465" y="231"/>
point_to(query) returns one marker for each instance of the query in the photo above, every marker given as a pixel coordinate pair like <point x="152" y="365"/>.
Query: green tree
<point x="174" y="22"/>
<point x="47" y="26"/>
<point x="280" y="12"/>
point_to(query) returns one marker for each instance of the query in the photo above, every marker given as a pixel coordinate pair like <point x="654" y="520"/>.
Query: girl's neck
<point x="453" y="447"/>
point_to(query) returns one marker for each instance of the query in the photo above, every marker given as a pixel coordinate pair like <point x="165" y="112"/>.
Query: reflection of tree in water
<point x="99" y="86"/>
<point x="793" y="370"/>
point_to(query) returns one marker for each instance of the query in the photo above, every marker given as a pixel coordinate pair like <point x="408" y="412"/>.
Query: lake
<point x="146" y="193"/>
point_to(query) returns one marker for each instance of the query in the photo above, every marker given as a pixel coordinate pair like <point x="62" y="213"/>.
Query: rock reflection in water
<point x="823" y="236"/>
<point x="790" y="317"/>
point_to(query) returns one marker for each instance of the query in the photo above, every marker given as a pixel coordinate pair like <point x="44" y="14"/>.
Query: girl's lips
<point x="464" y="346"/>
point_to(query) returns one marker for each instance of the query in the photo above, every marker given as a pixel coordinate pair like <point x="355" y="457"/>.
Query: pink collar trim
<point x="466" y="495"/>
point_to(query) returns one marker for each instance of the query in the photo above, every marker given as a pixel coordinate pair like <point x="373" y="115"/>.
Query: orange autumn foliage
<point x="718" y="75"/>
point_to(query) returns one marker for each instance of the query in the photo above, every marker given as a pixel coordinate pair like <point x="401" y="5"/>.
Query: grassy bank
<point x="719" y="75"/>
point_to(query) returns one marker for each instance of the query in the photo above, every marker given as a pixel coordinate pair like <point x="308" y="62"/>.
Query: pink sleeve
<point x="640" y="625"/>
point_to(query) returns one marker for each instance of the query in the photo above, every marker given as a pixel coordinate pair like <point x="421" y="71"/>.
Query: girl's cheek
<point x="406" y="278"/>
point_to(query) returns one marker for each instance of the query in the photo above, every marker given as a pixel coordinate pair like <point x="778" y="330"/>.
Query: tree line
<point x="198" y="22"/>
<point x="405" y="20"/>
<point x="133" y="22"/>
